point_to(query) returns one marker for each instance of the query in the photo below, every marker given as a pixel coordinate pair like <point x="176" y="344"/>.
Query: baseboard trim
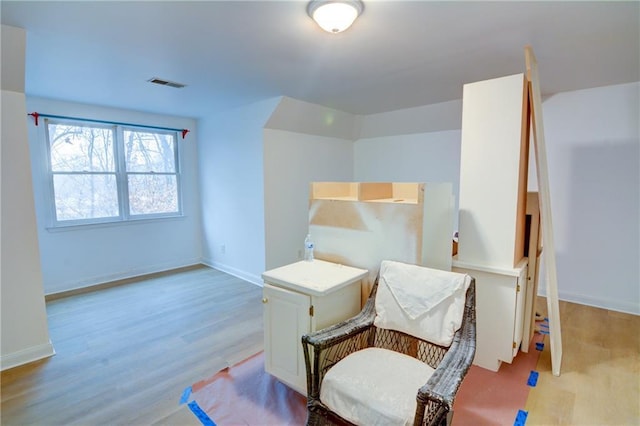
<point x="253" y="279"/>
<point x="26" y="356"/>
<point x="119" y="282"/>
<point x="609" y="304"/>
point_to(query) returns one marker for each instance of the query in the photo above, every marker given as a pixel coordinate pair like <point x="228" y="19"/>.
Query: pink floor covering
<point x="245" y="395"/>
<point x="488" y="398"/>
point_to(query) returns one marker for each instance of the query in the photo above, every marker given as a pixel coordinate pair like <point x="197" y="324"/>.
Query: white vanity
<point x="300" y="298"/>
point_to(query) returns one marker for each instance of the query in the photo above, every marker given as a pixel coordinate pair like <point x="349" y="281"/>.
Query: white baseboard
<point x="253" y="279"/>
<point x="131" y="273"/>
<point x="628" y="307"/>
<point x="26" y="356"/>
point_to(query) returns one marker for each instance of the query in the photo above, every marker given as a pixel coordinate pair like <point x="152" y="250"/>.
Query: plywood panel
<point x="545" y="210"/>
<point x="533" y="253"/>
<point x="375" y="191"/>
<point x="334" y="190"/>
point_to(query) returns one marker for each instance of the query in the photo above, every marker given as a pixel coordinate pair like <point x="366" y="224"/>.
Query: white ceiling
<point x="398" y="54"/>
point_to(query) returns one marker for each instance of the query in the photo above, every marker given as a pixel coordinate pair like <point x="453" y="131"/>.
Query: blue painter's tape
<point x="544" y="324"/>
<point x="539" y="346"/>
<point x="185" y="395"/>
<point x="200" y="414"/>
<point x="533" y="378"/>
<point x="521" y="418"/>
<point x="543" y="331"/>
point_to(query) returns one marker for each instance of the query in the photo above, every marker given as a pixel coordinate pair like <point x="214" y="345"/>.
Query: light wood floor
<point x="125" y="354"/>
<point x="599" y="382"/>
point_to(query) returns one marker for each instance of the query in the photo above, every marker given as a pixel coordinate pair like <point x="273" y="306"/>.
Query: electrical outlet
<point x="223" y="249"/>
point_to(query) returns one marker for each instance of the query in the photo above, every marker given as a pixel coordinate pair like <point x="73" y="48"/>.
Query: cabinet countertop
<point x="316" y="278"/>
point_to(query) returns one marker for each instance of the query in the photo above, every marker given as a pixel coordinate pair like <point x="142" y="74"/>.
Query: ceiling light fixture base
<point x="335" y="16"/>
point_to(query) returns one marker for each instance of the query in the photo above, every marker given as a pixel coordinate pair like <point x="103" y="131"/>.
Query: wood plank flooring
<point x="599" y="382"/>
<point x="125" y="354"/>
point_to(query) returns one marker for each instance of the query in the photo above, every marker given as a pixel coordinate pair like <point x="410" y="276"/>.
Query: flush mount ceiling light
<point x="335" y="16"/>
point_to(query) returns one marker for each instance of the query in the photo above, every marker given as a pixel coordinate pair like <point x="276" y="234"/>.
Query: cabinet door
<point x="286" y="319"/>
<point x="496" y="307"/>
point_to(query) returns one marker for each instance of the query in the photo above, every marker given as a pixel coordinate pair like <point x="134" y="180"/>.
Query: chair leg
<point x="448" y="419"/>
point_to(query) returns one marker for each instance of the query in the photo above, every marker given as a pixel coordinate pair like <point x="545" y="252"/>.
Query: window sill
<point x="110" y="224"/>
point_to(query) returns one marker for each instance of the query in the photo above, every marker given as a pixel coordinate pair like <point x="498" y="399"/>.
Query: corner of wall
<point x="304" y="117"/>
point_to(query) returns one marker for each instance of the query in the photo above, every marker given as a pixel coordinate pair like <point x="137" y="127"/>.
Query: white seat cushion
<point x="375" y="386"/>
<point x="422" y="302"/>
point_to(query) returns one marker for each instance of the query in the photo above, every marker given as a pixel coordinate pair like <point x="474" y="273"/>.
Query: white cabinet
<point x="500" y="295"/>
<point x="492" y="221"/>
<point x="300" y="298"/>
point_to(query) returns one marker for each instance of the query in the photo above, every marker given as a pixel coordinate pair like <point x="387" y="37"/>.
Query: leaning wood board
<point x="545" y="210"/>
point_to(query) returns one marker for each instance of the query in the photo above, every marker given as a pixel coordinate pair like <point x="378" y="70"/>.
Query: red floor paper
<point x="488" y="398"/>
<point x="245" y="395"/>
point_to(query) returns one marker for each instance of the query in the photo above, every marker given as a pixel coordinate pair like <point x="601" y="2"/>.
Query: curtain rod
<point x="36" y="115"/>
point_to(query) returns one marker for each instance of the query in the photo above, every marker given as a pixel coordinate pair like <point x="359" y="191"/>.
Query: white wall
<point x="291" y="162"/>
<point x="593" y="149"/>
<point x="230" y="158"/>
<point x="423" y="119"/>
<point x="303" y="143"/>
<point x="86" y="255"/>
<point x="592" y="139"/>
<point x="413" y="145"/>
<point x="297" y="116"/>
<point x="23" y="321"/>
<point x="422" y="157"/>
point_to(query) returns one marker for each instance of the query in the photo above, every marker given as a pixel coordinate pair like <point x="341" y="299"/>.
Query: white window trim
<point x="124" y="217"/>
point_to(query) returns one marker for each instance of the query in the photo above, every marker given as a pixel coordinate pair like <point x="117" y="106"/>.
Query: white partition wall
<point x="24" y="333"/>
<point x="493" y="172"/>
<point x="493" y="190"/>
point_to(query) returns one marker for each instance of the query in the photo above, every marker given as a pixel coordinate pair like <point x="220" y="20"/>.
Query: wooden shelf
<point x="362" y="223"/>
<point x="378" y="192"/>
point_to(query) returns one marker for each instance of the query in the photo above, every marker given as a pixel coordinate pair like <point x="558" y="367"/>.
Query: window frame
<point x="121" y="175"/>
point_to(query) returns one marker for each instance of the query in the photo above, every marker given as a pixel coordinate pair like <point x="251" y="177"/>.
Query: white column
<point x="24" y="333"/>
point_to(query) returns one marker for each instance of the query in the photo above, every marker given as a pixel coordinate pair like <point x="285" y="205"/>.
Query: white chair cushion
<point x="375" y="386"/>
<point x="423" y="302"/>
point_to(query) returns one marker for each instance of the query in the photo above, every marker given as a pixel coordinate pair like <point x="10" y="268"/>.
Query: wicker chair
<point x="325" y="348"/>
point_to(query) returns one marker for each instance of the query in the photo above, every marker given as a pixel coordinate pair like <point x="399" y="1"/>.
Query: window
<point x="107" y="173"/>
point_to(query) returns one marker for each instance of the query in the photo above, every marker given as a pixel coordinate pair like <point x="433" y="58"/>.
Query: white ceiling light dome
<point x="335" y="16"/>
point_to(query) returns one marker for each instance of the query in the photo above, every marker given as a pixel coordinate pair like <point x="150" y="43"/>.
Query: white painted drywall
<point x="593" y="154"/>
<point x="291" y="162"/>
<point x="88" y="255"/>
<point x="419" y="120"/>
<point x="421" y="157"/>
<point x="296" y="116"/>
<point x="593" y="150"/>
<point x="23" y="320"/>
<point x="230" y="158"/>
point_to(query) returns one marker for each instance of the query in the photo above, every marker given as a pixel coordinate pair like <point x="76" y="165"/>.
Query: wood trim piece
<point x="533" y="210"/>
<point x="545" y="210"/>
<point x="523" y="174"/>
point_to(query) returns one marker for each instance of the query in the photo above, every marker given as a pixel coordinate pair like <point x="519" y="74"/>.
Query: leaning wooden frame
<point x="325" y="348"/>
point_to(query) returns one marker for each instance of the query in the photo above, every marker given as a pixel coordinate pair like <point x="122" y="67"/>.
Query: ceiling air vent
<point x="162" y="82"/>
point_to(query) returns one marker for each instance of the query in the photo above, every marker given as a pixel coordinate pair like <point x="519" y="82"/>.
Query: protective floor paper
<point x="245" y="394"/>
